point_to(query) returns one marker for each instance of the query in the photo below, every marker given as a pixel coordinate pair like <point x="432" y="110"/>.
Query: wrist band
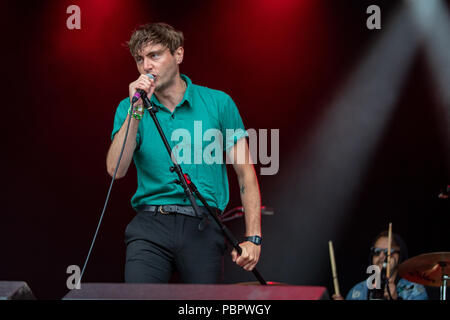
<point x="137" y="113"/>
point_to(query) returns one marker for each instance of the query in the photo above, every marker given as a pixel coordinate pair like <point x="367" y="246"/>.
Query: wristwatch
<point x="255" y="239"/>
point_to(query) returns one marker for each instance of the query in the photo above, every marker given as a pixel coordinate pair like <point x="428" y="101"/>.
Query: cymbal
<point x="426" y="269"/>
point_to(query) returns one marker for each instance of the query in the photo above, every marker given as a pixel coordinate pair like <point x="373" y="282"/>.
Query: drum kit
<point x="429" y="269"/>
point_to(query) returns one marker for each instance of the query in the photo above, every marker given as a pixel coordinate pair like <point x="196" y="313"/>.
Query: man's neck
<point x="172" y="95"/>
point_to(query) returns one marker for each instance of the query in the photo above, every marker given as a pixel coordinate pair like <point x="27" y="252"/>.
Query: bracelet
<point x="138" y="112"/>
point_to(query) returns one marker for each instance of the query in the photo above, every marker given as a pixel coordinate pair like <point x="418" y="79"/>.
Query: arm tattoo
<point x="242" y="189"/>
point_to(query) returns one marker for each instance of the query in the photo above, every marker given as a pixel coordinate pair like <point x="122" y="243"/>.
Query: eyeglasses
<point x="377" y="251"/>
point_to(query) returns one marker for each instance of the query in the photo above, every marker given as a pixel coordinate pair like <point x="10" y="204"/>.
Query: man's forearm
<point x="116" y="146"/>
<point x="251" y="201"/>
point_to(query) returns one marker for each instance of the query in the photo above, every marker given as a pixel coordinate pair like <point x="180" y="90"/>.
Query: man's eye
<point x="155" y="55"/>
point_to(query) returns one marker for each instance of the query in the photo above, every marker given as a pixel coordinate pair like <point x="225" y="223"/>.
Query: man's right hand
<point x="143" y="83"/>
<point x="337" y="297"/>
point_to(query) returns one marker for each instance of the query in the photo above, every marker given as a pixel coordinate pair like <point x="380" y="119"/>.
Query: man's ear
<point x="179" y="53"/>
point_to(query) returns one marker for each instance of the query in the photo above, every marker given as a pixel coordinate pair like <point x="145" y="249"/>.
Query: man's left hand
<point x="249" y="256"/>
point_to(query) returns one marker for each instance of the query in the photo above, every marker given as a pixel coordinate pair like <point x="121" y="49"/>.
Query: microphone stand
<point x="190" y="188"/>
<point x="230" y="237"/>
<point x="386" y="279"/>
<point x="378" y="294"/>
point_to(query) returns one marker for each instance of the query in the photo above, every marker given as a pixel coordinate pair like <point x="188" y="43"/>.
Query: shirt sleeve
<point x="120" y="117"/>
<point x="412" y="291"/>
<point x="232" y="126"/>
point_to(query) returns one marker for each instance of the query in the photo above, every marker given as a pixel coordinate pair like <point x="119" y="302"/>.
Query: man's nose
<point x="148" y="64"/>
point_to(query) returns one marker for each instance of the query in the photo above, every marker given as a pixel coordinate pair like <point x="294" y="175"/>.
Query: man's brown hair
<point x="156" y="33"/>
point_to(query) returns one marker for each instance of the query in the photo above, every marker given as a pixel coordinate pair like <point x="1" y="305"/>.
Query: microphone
<point x="139" y="92"/>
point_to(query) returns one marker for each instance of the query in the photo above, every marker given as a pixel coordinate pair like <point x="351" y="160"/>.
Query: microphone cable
<point x="107" y="197"/>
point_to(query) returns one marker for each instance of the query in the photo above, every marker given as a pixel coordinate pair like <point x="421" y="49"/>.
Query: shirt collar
<point x="187" y="97"/>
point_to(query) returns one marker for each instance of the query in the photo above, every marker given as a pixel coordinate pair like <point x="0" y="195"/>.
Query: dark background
<point x="285" y="63"/>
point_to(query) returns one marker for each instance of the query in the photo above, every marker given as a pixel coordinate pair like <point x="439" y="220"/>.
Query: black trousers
<point x="160" y="244"/>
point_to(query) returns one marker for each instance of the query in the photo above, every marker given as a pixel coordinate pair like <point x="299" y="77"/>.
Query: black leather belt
<point x="169" y="209"/>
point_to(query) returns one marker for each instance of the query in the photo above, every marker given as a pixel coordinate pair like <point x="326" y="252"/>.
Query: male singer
<point x="164" y="236"/>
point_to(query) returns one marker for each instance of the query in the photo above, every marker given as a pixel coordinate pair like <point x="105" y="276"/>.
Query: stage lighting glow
<point x="325" y="177"/>
<point x="433" y="22"/>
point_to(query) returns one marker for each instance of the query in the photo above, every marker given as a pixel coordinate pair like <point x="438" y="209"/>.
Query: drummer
<point x="400" y="289"/>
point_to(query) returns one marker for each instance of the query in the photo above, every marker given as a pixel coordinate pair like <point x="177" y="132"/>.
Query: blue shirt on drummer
<point x="187" y="129"/>
<point x="406" y="290"/>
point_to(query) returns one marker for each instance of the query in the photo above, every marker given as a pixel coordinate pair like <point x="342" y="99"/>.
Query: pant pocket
<point x="130" y="230"/>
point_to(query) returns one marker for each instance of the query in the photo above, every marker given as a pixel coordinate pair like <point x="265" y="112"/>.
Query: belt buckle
<point x="160" y="209"/>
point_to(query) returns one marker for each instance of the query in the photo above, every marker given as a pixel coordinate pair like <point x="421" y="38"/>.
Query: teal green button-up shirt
<point x="202" y="126"/>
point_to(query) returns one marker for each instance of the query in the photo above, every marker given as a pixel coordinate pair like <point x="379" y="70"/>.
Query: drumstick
<point x="333" y="269"/>
<point x="388" y="268"/>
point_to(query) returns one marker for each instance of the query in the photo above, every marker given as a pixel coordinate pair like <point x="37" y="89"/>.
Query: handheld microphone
<point x="139" y="92"/>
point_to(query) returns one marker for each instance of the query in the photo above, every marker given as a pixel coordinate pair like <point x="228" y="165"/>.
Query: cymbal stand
<point x="444" y="287"/>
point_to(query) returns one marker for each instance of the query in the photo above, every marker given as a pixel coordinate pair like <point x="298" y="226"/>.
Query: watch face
<point x="255" y="239"/>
